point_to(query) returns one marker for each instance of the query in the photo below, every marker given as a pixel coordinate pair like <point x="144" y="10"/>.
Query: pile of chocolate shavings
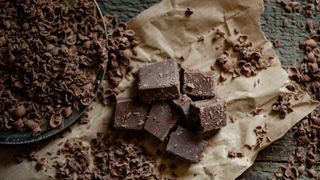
<point x="305" y="158"/>
<point x="249" y="60"/>
<point x="121" y="43"/>
<point x="75" y="164"/>
<point x="49" y="56"/>
<point x="306" y="155"/>
<point x="283" y="105"/>
<point x="112" y="159"/>
<point x="308" y="73"/>
<point x="123" y="159"/>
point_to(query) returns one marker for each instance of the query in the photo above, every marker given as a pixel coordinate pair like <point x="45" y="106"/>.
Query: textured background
<point x="272" y="21"/>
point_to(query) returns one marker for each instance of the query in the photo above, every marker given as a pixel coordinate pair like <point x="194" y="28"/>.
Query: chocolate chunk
<point x="185" y="145"/>
<point x="159" y="81"/>
<point x="183" y="105"/>
<point x="130" y="115"/>
<point x="209" y="114"/>
<point x="197" y="84"/>
<point x="161" y="120"/>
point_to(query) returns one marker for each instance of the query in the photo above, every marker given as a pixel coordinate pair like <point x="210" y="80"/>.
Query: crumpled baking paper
<point x="163" y="31"/>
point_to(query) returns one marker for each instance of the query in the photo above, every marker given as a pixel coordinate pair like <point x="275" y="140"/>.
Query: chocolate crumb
<point x="234" y="154"/>
<point x="200" y="39"/>
<point x="188" y="12"/>
<point x="276" y="43"/>
<point x="232" y="119"/>
<point x="40" y="163"/>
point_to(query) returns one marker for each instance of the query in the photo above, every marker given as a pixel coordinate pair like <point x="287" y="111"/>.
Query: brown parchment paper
<point x="163" y="31"/>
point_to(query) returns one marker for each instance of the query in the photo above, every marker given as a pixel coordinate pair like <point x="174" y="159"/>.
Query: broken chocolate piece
<point x="183" y="105"/>
<point x="159" y="81"/>
<point x="130" y="115"/>
<point x="197" y="84"/>
<point x="209" y="114"/>
<point x="185" y="145"/>
<point x="161" y="120"/>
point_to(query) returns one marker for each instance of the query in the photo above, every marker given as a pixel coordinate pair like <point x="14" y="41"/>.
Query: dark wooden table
<point x="272" y="21"/>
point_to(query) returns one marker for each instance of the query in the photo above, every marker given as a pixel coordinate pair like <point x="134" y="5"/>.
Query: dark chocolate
<point x="161" y="120"/>
<point x="183" y="105"/>
<point x="209" y="114"/>
<point x="185" y="145"/>
<point x="159" y="81"/>
<point x="198" y="84"/>
<point x="130" y="115"/>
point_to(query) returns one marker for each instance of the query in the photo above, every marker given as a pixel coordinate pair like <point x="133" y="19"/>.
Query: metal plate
<point x="24" y="138"/>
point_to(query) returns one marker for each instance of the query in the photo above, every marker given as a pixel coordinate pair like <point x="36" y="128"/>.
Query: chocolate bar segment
<point x="159" y="81"/>
<point x="198" y="84"/>
<point x="161" y="120"/>
<point x="209" y="114"/>
<point x="130" y="115"/>
<point x="183" y="105"/>
<point x="185" y="145"/>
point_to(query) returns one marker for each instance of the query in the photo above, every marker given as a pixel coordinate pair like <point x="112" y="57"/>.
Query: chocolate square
<point x="161" y="120"/>
<point x="210" y="114"/>
<point x="159" y="81"/>
<point x="198" y="84"/>
<point x="185" y="145"/>
<point x="130" y="115"/>
<point x="183" y="105"/>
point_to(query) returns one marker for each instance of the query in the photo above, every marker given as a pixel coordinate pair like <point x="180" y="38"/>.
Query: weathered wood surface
<point x="272" y="21"/>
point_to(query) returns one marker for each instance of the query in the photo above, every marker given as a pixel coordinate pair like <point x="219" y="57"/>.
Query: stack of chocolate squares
<point x="175" y="117"/>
